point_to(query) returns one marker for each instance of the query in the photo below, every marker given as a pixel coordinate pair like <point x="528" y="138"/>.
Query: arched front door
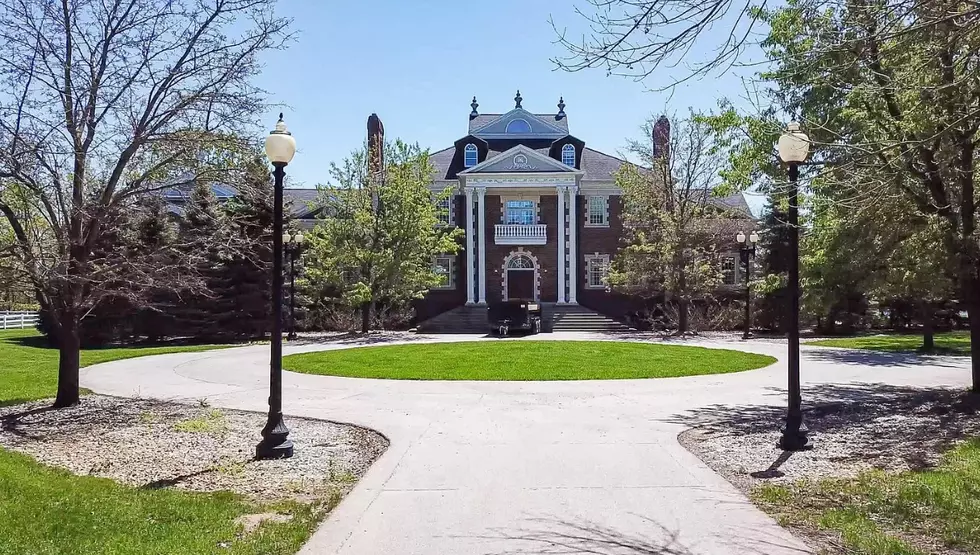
<point x="521" y="280"/>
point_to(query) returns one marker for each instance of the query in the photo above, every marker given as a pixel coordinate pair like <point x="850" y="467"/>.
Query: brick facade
<point x="593" y="240"/>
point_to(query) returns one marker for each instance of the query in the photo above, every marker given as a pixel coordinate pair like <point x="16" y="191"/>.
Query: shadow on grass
<point x="877" y="358"/>
<point x="894" y="421"/>
<point x="42" y="342"/>
<point x="566" y="537"/>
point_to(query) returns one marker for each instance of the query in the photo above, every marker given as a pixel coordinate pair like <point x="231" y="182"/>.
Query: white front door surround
<point x="534" y="234"/>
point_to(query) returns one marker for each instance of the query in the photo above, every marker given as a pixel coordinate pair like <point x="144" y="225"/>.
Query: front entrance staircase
<point x="473" y="319"/>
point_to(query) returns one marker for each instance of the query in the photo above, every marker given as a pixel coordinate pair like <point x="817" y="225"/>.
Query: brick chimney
<point x="661" y="138"/>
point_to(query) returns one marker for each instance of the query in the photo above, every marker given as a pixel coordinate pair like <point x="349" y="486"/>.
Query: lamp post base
<point x="275" y="442"/>
<point x="795" y="436"/>
<point x="748" y="335"/>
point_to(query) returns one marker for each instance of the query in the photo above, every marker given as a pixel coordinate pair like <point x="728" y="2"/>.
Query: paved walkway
<point x="527" y="467"/>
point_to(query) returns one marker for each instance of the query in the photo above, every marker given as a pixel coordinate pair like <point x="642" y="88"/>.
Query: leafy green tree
<point x="379" y="233"/>
<point x="670" y="226"/>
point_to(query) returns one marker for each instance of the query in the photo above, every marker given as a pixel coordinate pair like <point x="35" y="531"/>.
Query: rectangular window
<point x="597" y="270"/>
<point x="444" y="211"/>
<point x="597" y="208"/>
<point x="443" y="267"/>
<point x="520" y="212"/>
<point x="728" y="270"/>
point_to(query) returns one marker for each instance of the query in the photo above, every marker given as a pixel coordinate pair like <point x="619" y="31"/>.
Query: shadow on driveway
<point x="877" y="358"/>
<point x="564" y="537"/>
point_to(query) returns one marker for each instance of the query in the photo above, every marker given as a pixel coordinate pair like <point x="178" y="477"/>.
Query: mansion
<point x="541" y="211"/>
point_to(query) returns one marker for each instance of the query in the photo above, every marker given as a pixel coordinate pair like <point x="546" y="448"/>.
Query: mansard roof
<point x="519" y="159"/>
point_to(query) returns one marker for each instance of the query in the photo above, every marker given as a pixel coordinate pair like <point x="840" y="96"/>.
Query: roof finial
<point x="518" y="99"/>
<point x="475" y="105"/>
<point x="561" y="108"/>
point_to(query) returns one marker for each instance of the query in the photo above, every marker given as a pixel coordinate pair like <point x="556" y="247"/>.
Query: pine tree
<point x="204" y="235"/>
<point x="243" y="292"/>
<point x="774" y="247"/>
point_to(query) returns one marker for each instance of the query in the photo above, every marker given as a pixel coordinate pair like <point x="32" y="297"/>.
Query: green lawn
<point x="46" y="511"/>
<point x="952" y="343"/>
<point x="525" y="360"/>
<point x="915" y="513"/>
<point x="29" y="368"/>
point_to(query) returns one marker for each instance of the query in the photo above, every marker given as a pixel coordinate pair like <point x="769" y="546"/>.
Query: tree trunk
<point x="68" y="360"/>
<point x="682" y="316"/>
<point x="928" y="333"/>
<point x="973" y="314"/>
<point x="366" y="317"/>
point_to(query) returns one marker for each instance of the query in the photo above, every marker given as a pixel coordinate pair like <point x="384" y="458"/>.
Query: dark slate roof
<point x="298" y="202"/>
<point x="599" y="166"/>
<point x="483" y="119"/>
<point x="441" y="161"/>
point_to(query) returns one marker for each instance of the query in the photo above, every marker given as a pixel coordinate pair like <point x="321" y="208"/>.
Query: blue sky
<point x="418" y="64"/>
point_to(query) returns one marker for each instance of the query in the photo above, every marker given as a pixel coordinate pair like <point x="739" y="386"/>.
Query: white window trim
<point x="535" y="207"/>
<point x="451" y="209"/>
<point x="451" y="281"/>
<point x="591" y="259"/>
<point x="588" y="211"/>
<point x="474" y="150"/>
<point x="736" y="268"/>
<point x="566" y="149"/>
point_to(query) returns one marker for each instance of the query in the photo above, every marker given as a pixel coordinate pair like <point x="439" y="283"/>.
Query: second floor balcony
<point x="521" y="234"/>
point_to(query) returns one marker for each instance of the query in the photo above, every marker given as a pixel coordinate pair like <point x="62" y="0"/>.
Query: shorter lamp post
<point x="747" y="250"/>
<point x="293" y="244"/>
<point x="793" y="148"/>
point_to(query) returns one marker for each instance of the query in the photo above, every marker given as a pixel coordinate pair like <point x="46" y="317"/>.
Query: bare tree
<point x="672" y="225"/>
<point x="101" y="103"/>
<point x="634" y="38"/>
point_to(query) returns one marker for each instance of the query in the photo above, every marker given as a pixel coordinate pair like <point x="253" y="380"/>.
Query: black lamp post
<point x="294" y="244"/>
<point x="793" y="148"/>
<point x="280" y="148"/>
<point x="747" y="250"/>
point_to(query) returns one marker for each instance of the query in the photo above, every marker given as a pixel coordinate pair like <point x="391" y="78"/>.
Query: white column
<point x="470" y="245"/>
<point x="562" y="191"/>
<point x="572" y="249"/>
<point x="482" y="222"/>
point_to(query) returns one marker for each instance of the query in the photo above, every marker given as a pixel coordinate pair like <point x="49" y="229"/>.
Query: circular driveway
<point x="513" y="467"/>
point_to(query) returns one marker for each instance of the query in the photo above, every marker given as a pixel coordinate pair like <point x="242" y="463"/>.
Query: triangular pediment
<point x="520" y="159"/>
<point x="519" y="124"/>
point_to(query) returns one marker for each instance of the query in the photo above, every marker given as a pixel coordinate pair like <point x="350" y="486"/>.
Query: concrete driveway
<point x="527" y="467"/>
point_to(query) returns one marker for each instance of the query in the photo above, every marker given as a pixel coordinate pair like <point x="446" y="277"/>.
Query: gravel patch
<point x="854" y="429"/>
<point x="153" y="444"/>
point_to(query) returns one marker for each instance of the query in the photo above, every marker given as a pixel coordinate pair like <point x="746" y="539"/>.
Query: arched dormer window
<point x="518" y="126"/>
<point x="470" y="156"/>
<point x="568" y="155"/>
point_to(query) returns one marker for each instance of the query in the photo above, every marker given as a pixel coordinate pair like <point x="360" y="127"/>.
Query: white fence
<point x="11" y="320"/>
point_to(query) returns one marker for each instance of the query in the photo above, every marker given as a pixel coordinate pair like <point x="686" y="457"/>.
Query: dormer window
<point x="568" y="155"/>
<point x="470" y="156"/>
<point x="518" y="126"/>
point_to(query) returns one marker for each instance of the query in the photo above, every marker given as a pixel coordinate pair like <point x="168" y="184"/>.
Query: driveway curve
<point x="527" y="467"/>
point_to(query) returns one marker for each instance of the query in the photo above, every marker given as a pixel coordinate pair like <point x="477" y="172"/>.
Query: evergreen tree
<point x="204" y="236"/>
<point x="243" y="292"/>
<point x="774" y="248"/>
